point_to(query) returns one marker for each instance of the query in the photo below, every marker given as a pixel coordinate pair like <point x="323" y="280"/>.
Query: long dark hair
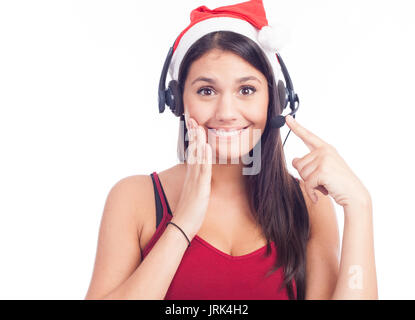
<point x="275" y="196"/>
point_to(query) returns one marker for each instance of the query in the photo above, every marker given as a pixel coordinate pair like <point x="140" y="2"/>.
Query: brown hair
<point x="275" y="197"/>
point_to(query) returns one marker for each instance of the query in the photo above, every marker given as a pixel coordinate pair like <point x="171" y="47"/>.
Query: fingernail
<point x="290" y="118"/>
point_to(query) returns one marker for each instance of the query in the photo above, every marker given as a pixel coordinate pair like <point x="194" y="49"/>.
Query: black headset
<point x="173" y="98"/>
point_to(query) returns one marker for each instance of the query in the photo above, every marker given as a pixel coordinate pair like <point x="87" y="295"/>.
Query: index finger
<point x="309" y="138"/>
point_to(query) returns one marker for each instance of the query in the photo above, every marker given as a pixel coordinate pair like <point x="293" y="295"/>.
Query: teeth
<point x="224" y="133"/>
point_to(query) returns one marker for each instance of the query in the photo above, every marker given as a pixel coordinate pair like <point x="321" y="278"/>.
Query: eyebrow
<point x="240" y="80"/>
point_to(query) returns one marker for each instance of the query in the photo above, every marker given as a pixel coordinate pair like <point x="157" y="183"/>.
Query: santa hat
<point x="247" y="18"/>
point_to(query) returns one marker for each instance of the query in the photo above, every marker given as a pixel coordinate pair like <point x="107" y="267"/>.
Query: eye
<point x="204" y="89"/>
<point x="208" y="90"/>
<point x="248" y="88"/>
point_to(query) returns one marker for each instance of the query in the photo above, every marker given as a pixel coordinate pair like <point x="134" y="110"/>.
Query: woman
<point x="215" y="232"/>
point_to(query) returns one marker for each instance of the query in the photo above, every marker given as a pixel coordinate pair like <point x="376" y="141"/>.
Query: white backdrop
<point x="78" y="112"/>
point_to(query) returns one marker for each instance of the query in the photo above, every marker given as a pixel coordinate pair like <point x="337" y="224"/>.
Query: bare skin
<point x="234" y="233"/>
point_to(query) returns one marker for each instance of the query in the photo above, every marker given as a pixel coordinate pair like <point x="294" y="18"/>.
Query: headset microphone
<point x="279" y="121"/>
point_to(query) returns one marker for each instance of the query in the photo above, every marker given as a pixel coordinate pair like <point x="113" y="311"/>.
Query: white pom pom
<point x="273" y="38"/>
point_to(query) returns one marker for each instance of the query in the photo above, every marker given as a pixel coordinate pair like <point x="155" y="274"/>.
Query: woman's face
<point x="216" y="96"/>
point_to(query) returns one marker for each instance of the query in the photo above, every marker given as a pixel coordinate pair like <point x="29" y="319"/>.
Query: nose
<point x="226" y="110"/>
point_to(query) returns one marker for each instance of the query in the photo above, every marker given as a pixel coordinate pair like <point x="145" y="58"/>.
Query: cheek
<point x="259" y="120"/>
<point x="259" y="117"/>
<point x="196" y="110"/>
<point x="188" y="101"/>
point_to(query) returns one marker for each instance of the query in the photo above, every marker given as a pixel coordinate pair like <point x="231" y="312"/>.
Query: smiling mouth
<point x="225" y="134"/>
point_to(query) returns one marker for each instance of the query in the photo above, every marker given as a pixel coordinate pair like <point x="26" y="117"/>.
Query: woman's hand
<point x="325" y="170"/>
<point x="192" y="206"/>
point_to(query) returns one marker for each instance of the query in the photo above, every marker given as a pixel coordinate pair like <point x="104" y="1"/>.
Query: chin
<point x="229" y="156"/>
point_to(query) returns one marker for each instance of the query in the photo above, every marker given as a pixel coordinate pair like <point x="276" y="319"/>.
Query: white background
<point x="78" y="112"/>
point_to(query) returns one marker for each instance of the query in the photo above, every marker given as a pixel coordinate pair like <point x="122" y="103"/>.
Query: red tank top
<point x="207" y="273"/>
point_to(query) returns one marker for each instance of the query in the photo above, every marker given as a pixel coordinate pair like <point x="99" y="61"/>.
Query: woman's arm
<point x="119" y="271"/>
<point x="151" y="280"/>
<point x="357" y="273"/>
<point x="324" y="170"/>
<point x="356" y="276"/>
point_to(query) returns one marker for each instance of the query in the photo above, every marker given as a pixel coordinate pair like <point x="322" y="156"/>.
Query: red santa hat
<point x="247" y="18"/>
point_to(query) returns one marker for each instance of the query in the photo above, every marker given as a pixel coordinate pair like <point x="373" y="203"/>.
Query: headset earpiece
<point x="170" y="96"/>
<point x="282" y="94"/>
<point x="174" y="98"/>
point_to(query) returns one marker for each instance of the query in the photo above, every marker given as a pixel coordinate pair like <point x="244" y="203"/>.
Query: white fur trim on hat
<point x="222" y="24"/>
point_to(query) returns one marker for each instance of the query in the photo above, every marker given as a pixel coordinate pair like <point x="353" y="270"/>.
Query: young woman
<point x="205" y="230"/>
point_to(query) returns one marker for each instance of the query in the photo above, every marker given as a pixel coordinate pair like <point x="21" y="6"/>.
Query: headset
<point x="173" y="98"/>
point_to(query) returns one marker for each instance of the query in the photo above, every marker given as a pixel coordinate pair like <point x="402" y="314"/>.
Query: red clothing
<point x="206" y="273"/>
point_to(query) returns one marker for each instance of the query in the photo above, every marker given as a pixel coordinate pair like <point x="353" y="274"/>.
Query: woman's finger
<point x="315" y="182"/>
<point x="310" y="139"/>
<point x="299" y="163"/>
<point x="310" y="184"/>
<point x="190" y="153"/>
<point x="206" y="169"/>
<point x="200" y="144"/>
<point x="191" y="149"/>
<point x="308" y="169"/>
<point x="198" y="141"/>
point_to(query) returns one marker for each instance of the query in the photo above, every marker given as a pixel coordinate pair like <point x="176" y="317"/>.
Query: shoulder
<point x="130" y="197"/>
<point x="134" y="188"/>
<point x="309" y="203"/>
<point x="137" y="193"/>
